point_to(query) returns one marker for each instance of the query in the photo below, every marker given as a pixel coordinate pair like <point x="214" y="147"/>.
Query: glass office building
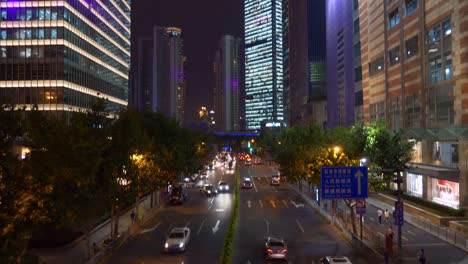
<point x="263" y="62"/>
<point x="62" y="55"/>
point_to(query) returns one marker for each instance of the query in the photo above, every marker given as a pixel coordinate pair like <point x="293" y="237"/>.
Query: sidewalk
<point x="438" y="241"/>
<point x="76" y="251"/>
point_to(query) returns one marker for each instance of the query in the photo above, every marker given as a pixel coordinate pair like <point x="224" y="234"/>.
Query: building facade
<point x="62" y="55"/>
<point x="316" y="43"/>
<point x="415" y="77"/>
<point x="295" y="62"/>
<point x="340" y="63"/>
<point x="159" y="81"/>
<point x="263" y="62"/>
<point x="227" y="90"/>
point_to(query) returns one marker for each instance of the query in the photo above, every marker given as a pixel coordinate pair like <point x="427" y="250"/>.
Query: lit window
<point x="53" y="33"/>
<point x="448" y="67"/>
<point x="411" y="6"/>
<point x="3" y="15"/>
<point x="3" y="52"/>
<point x="3" y="34"/>
<point x="412" y="47"/>
<point x="376" y="66"/>
<point x="447" y="28"/>
<point x="394" y="56"/>
<point x="29" y="14"/>
<point x="41" y="13"/>
<point x="394" y="18"/>
<point x="40" y="33"/>
<point x="54" y="15"/>
<point x="434" y="34"/>
<point x="47" y="14"/>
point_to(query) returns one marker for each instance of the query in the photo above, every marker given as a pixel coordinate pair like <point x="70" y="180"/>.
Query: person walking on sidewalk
<point x="386" y="216"/>
<point x="421" y="257"/>
<point x="379" y="214"/>
<point x="388" y="245"/>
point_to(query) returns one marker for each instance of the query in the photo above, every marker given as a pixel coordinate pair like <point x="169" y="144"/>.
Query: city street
<point x="206" y="217"/>
<point x="279" y="211"/>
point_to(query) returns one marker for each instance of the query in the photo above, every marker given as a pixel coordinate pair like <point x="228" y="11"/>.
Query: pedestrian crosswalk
<point x="273" y="204"/>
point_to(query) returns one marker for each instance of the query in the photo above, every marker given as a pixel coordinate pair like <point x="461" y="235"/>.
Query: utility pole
<point x="398" y="181"/>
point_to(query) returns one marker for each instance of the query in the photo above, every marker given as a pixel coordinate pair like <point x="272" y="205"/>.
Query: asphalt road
<point x="206" y="217"/>
<point x="279" y="211"/>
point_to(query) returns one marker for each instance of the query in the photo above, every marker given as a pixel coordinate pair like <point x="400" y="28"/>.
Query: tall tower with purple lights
<point x="63" y="55"/>
<point x="226" y="93"/>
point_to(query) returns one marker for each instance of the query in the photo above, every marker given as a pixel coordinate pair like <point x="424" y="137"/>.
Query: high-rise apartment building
<point x="340" y="63"/>
<point x="227" y="90"/>
<point x="159" y="83"/>
<point x="415" y="77"/>
<point x="62" y="55"/>
<point x="263" y="62"/>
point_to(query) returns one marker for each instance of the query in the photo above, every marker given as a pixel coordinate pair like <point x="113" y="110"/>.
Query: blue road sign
<point x="360" y="206"/>
<point x="399" y="220"/>
<point x="344" y="182"/>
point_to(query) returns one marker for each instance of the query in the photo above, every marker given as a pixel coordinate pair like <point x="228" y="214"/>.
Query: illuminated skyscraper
<point x="263" y="62"/>
<point x="62" y="55"/>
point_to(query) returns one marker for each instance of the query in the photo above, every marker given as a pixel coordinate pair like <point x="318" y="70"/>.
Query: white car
<point x="177" y="239"/>
<point x="335" y="259"/>
<point x="223" y="186"/>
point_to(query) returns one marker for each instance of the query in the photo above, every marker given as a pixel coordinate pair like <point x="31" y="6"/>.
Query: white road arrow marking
<point x="300" y="226"/>
<point x="296" y="204"/>
<point x="273" y="203"/>
<point x="358" y="175"/>
<point x="150" y="229"/>
<point x="249" y="203"/>
<point x="216" y="227"/>
<point x="285" y="203"/>
<point x="248" y="262"/>
<point x="261" y="204"/>
<point x="267" y="226"/>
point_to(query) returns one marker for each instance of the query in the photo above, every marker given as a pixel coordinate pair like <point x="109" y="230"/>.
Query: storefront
<point x="445" y="192"/>
<point x="414" y="185"/>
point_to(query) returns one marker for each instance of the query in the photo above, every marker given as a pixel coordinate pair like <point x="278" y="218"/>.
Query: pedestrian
<point x="386" y="216"/>
<point x="379" y="214"/>
<point x="421" y="257"/>
<point x="388" y="244"/>
<point x="95" y="248"/>
<point x="133" y="216"/>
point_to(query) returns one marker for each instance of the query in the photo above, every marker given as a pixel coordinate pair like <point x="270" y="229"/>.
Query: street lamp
<point x="363" y="161"/>
<point x="337" y="149"/>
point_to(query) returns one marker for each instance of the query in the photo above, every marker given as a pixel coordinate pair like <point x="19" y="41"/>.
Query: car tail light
<point x="284" y="250"/>
<point x="270" y="250"/>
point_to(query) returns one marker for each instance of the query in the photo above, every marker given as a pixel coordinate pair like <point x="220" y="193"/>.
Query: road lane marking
<point x="380" y="234"/>
<point x="274" y="188"/>
<point x="150" y="229"/>
<point x="188" y="223"/>
<point x="267" y="226"/>
<point x="404" y="238"/>
<point x="261" y="204"/>
<point x="249" y="203"/>
<point x="211" y="203"/>
<point x="426" y="245"/>
<point x="216" y="227"/>
<point x="412" y="233"/>
<point x="273" y="203"/>
<point x="201" y="226"/>
<point x="255" y="186"/>
<point x="285" y="203"/>
<point x="220" y="210"/>
<point x="372" y="219"/>
<point x="300" y="226"/>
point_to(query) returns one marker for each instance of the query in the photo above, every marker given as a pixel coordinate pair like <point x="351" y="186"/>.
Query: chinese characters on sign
<point x="344" y="182"/>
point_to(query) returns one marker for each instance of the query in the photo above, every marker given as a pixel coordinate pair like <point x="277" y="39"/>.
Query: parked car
<point x="177" y="239"/>
<point x="276" y="248"/>
<point x="275" y="180"/>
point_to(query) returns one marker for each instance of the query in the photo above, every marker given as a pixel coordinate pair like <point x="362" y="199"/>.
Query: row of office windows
<point x="59" y="62"/>
<point x="394" y="16"/>
<point x="377" y="65"/>
<point x="51" y="95"/>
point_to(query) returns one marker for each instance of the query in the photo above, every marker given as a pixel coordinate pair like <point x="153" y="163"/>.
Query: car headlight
<point x="209" y="192"/>
<point x="166" y="245"/>
<point x="181" y="244"/>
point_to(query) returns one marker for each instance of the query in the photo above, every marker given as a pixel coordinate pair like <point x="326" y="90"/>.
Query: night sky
<point x="203" y="22"/>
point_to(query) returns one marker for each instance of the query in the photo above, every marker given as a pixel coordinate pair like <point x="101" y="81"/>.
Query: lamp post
<point x="336" y="151"/>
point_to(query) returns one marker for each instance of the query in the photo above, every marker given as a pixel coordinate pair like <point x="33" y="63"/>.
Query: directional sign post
<point x="399" y="220"/>
<point x="360" y="210"/>
<point x="344" y="182"/>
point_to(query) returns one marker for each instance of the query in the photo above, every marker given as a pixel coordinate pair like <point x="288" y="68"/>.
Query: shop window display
<point x="414" y="184"/>
<point x="446" y="192"/>
<point x="445" y="152"/>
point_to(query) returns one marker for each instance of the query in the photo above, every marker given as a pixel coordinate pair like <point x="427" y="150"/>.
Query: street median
<point x="226" y="254"/>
